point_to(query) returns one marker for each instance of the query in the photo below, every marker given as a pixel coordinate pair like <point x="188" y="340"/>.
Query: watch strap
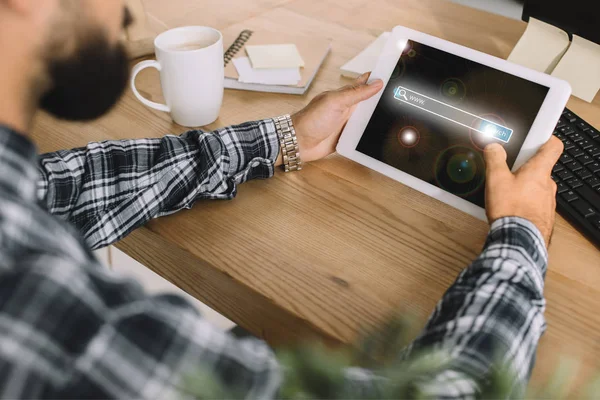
<point x="288" y="142"/>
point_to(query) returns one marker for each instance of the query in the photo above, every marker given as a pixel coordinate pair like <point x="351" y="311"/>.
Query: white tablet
<point x="441" y="105"/>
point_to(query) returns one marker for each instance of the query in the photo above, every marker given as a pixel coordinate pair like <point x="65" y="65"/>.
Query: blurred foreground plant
<point x="314" y="371"/>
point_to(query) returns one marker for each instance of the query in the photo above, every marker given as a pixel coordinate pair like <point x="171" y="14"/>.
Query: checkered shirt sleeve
<point x="70" y="328"/>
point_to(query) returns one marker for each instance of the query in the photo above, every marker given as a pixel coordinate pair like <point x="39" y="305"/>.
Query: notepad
<point x="546" y="48"/>
<point x="313" y="50"/>
<point x="274" y="56"/>
<point x="280" y="76"/>
<point x="580" y="66"/>
<point x="541" y="47"/>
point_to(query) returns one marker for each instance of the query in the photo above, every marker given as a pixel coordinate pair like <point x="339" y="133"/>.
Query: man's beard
<point x="87" y="84"/>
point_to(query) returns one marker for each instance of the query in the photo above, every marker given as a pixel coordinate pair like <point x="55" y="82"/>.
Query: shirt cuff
<point x="513" y="233"/>
<point x="18" y="157"/>
<point x="253" y="148"/>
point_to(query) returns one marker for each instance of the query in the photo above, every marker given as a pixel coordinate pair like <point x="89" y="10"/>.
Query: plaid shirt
<point x="70" y="328"/>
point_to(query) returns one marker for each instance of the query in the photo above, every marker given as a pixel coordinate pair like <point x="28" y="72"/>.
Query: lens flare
<point x="404" y="45"/>
<point x="490" y="130"/>
<point x="409" y="136"/>
<point x="453" y="90"/>
<point x="460" y="170"/>
<point x="480" y="140"/>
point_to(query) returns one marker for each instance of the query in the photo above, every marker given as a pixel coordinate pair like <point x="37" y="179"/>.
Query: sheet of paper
<point x="280" y="76"/>
<point x="274" y="56"/>
<point x="580" y="66"/>
<point x="541" y="47"/>
<point x="367" y="59"/>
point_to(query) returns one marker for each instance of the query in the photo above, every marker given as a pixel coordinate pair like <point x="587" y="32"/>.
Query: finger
<point x="546" y="157"/>
<point x="364" y="78"/>
<point x="361" y="80"/>
<point x="354" y="94"/>
<point x="495" y="161"/>
<point x="554" y="187"/>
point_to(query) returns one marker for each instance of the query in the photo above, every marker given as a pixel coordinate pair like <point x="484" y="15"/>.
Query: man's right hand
<point x="529" y="193"/>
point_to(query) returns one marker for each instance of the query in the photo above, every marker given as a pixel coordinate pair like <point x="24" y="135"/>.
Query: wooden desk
<point x="339" y="246"/>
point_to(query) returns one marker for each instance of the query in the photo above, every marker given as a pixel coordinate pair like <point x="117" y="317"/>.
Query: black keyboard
<point x="577" y="175"/>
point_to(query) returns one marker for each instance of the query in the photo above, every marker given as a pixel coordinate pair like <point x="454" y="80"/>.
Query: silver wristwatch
<point x="288" y="142"/>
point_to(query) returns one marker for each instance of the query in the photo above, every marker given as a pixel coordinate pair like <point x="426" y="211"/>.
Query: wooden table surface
<point x="338" y="247"/>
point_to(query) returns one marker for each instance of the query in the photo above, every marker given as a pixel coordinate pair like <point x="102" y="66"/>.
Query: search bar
<point x="453" y="114"/>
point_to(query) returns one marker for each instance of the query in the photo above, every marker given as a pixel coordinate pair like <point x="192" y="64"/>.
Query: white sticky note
<point x="367" y="59"/>
<point x="580" y="66"/>
<point x="279" y="76"/>
<point x="541" y="46"/>
<point x="274" y="56"/>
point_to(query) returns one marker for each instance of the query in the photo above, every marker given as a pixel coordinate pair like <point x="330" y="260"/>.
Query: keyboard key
<point x="594" y="151"/>
<point x="568" y="144"/>
<point x="569" y="116"/>
<point x="592" y="182"/>
<point x="569" y="196"/>
<point x="583" y="207"/>
<point x="566" y="130"/>
<point x="582" y="126"/>
<point x="585" y="144"/>
<point x="594" y="167"/>
<point x="574" y="183"/>
<point x="585" y="159"/>
<point x="564" y="175"/>
<point x="576" y="152"/>
<point x="574" y="166"/>
<point x="583" y="173"/>
<point x="589" y="194"/>
<point x="565" y="158"/>
<point x="561" y="123"/>
<point x="593" y="133"/>
<point x="576" y="137"/>
<point x="562" y="138"/>
<point x="595" y="220"/>
<point x="557" y="168"/>
<point x="562" y="187"/>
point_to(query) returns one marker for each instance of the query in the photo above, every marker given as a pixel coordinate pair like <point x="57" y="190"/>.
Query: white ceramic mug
<point x="190" y="61"/>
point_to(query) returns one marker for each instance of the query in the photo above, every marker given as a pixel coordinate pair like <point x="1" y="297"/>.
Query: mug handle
<point x="136" y="70"/>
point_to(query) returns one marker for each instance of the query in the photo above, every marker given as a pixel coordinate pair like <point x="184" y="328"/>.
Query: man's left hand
<point x="319" y="125"/>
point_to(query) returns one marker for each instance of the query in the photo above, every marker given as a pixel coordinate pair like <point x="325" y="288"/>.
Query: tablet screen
<point x="439" y="111"/>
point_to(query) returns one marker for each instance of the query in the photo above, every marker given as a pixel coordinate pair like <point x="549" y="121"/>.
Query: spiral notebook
<point x="314" y="50"/>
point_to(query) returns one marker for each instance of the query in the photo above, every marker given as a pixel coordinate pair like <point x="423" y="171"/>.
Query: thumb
<point x="359" y="91"/>
<point x="495" y="160"/>
<point x="545" y="159"/>
<point x="361" y="80"/>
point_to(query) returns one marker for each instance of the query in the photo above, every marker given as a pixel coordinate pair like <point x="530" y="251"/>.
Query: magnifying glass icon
<point x="402" y="93"/>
